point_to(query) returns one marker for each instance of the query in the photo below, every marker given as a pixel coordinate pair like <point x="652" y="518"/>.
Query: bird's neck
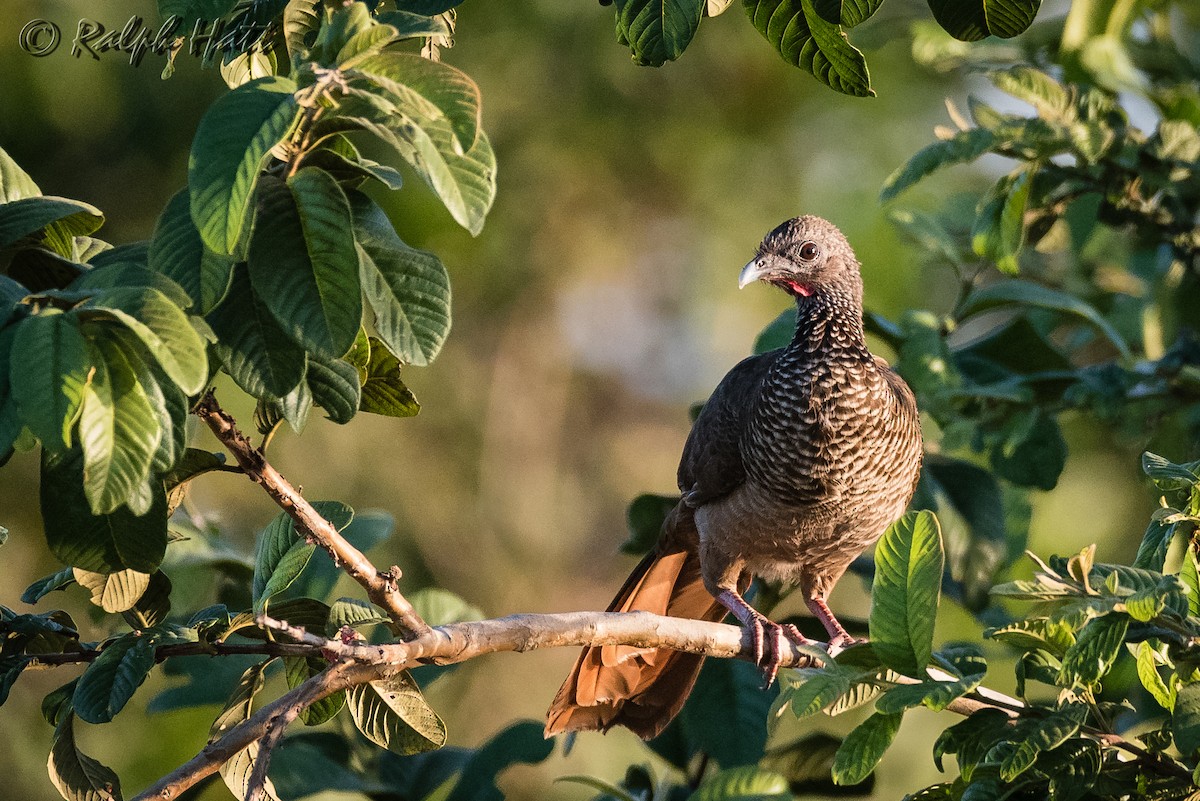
<point x="829" y="319"/>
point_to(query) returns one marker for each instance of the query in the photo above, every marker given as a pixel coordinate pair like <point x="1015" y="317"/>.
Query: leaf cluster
<point x="809" y="34"/>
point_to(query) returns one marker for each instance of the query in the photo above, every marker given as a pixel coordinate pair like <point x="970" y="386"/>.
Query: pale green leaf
<point x="77" y="776"/>
<point x="746" y="783"/>
<point x="392" y="713"/>
<point x="904" y="598"/>
<point x="113" y="592"/>
<point x="165" y="331"/>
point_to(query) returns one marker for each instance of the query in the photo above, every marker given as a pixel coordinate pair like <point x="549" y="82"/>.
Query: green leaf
<point x="384" y="391"/>
<point x="299" y="669"/>
<point x="236" y="771"/>
<point x="114" y="592"/>
<point x="1051" y="99"/>
<point x="75" y="775"/>
<point x="808" y="34"/>
<point x="113" y="677"/>
<point x="154" y="606"/>
<point x="465" y="182"/>
<point x="1038" y="458"/>
<point x="657" y="31"/>
<point x="936" y="695"/>
<point x="115" y="274"/>
<point x="259" y="355"/>
<point x="1034" y="737"/>
<point x="44" y="586"/>
<point x="1152" y="552"/>
<point x="904" y="598"/>
<point x="15" y="183"/>
<point x="748" y="783"/>
<point x="233" y="141"/>
<point x="59" y="219"/>
<point x="431" y="89"/>
<point x="1189" y="574"/>
<point x="301" y="21"/>
<point x="979" y="552"/>
<point x="644" y="519"/>
<point x="1026" y="293"/>
<point x="778" y="333"/>
<point x="409" y="25"/>
<point x="119" y="433"/>
<point x="864" y="747"/>
<point x="1095" y="649"/>
<point x="48" y="371"/>
<point x="281" y="555"/>
<point x="1185" y="719"/>
<point x="392" y="713"/>
<point x="972" y="20"/>
<point x="1167" y="475"/>
<point x="354" y="613"/>
<point x="963" y="146"/>
<point x="726" y="712"/>
<point x="10" y="666"/>
<point x="811" y="691"/>
<point x="407" y="289"/>
<point x="303" y="263"/>
<point x="164" y="330"/>
<point x="178" y="252"/>
<point x="101" y="543"/>
<point x="335" y="387"/>
<point x="999" y="231"/>
<point x="1147" y="670"/>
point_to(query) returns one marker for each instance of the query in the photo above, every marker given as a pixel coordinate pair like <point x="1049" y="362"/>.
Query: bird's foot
<point x="839" y="638"/>
<point x="768" y="639"/>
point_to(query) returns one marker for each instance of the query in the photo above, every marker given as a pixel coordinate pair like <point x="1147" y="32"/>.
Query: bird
<point x="797" y="463"/>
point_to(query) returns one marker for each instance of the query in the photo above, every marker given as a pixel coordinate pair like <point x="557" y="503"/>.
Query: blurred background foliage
<point x="598" y="304"/>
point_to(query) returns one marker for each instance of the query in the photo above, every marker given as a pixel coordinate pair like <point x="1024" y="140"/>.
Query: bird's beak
<point x="758" y="268"/>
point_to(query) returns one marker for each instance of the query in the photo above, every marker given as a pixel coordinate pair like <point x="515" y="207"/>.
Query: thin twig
<point x="380" y="586"/>
<point x="164" y="652"/>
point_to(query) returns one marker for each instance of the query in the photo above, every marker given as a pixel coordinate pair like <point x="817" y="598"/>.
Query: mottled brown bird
<point x="797" y="463"/>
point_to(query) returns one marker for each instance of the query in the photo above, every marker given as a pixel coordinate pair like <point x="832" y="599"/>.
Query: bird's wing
<point x="711" y="466"/>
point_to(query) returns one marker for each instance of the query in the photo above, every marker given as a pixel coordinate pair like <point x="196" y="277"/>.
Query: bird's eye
<point x="809" y="251"/>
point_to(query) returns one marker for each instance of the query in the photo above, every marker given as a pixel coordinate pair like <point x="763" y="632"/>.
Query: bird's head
<point x="804" y="256"/>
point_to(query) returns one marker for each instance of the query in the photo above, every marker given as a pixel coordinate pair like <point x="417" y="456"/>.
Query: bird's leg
<point x="838" y="636"/>
<point x="768" y="638"/>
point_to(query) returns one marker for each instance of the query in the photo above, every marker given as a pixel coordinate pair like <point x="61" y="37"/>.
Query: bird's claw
<point x="768" y="639"/>
<point x="769" y="642"/>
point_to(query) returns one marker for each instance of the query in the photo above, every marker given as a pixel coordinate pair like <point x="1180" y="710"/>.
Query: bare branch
<point x="380" y="586"/>
<point x="458" y="642"/>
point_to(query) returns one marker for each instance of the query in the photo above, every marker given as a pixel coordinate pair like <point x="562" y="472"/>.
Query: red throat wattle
<point x="804" y="290"/>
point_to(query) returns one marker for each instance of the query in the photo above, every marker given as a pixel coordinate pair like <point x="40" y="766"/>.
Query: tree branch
<point x="457" y="642"/>
<point x="380" y="586"/>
